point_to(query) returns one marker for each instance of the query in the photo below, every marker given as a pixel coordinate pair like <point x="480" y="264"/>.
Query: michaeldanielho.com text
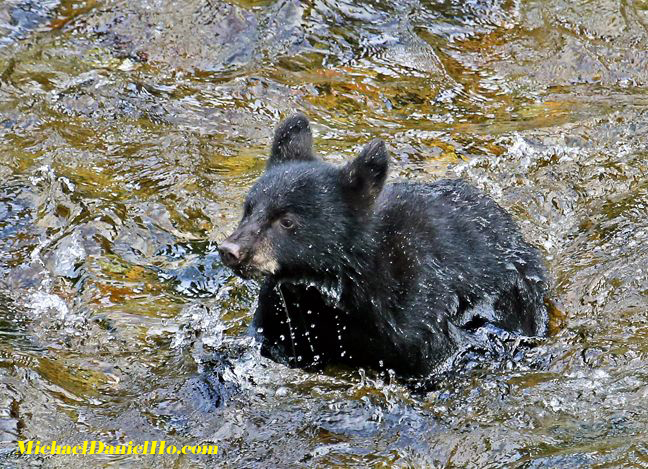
<point x="98" y="447"/>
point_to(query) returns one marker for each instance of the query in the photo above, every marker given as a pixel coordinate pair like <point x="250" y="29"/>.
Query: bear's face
<point x="302" y="214"/>
<point x="294" y="219"/>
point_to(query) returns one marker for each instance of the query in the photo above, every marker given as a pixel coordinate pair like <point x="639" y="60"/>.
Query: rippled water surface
<point x="130" y="132"/>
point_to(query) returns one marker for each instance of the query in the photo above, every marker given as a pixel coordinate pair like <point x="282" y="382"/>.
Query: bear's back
<point x="449" y="235"/>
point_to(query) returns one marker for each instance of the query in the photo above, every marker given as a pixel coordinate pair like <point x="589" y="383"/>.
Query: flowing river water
<point x="130" y="132"/>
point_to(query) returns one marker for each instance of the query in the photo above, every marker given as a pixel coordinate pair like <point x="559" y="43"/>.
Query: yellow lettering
<point x="22" y="449"/>
<point x="210" y="449"/>
<point x="98" y="447"/>
<point x="93" y="447"/>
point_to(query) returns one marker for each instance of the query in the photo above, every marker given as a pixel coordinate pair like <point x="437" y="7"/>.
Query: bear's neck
<point x="366" y="286"/>
<point x="357" y="281"/>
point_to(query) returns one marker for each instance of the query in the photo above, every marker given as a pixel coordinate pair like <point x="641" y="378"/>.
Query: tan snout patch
<point x="264" y="259"/>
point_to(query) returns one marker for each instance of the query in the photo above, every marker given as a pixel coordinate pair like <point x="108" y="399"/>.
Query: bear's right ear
<point x="293" y="141"/>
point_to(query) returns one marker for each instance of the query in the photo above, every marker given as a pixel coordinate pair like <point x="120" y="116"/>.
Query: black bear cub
<point x="382" y="276"/>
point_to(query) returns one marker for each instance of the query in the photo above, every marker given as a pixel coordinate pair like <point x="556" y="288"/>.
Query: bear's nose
<point x="230" y="253"/>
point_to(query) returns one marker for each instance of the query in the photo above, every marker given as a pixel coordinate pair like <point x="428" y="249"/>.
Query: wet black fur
<point x="391" y="277"/>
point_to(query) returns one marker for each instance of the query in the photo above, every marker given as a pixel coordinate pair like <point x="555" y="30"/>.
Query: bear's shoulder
<point x="404" y="193"/>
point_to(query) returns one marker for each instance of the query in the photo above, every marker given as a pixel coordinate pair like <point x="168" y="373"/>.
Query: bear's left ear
<point x="364" y="177"/>
<point x="293" y="141"/>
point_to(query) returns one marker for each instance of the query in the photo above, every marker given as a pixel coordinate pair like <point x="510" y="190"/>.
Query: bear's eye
<point x="286" y="223"/>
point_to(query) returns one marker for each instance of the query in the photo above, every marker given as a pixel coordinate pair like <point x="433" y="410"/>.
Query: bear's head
<point x="303" y="216"/>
